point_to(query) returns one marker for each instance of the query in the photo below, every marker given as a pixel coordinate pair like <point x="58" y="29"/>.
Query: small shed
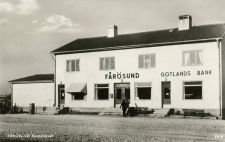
<point x="38" y="89"/>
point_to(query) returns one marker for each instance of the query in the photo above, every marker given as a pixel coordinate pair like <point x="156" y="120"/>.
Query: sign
<point x="186" y="73"/>
<point x="120" y="75"/>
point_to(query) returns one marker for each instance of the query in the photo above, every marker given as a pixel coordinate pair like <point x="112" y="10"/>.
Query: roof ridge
<point x="214" y="24"/>
<point x="151" y="31"/>
<point x="45" y="74"/>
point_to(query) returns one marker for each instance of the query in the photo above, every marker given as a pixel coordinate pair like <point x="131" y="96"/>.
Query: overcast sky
<point x="31" y="29"/>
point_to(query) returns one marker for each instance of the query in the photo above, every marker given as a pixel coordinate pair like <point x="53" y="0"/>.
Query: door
<point x="166" y="95"/>
<point x="61" y="94"/>
<point x="121" y="92"/>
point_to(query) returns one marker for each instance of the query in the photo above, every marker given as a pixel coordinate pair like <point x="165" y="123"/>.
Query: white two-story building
<point x="173" y="68"/>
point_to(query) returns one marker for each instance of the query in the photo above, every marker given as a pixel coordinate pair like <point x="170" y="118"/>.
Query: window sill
<point x="101" y="100"/>
<point x="148" y="68"/>
<point x="108" y="70"/>
<point x="192" y="99"/>
<point x="191" y="65"/>
<point x="144" y="100"/>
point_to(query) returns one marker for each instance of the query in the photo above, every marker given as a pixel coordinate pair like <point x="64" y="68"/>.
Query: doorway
<point x="166" y="95"/>
<point x="61" y="95"/>
<point x="121" y="91"/>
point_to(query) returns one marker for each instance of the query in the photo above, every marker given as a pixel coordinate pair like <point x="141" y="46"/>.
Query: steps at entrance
<point x="86" y="109"/>
<point x="111" y="111"/>
<point x="162" y="112"/>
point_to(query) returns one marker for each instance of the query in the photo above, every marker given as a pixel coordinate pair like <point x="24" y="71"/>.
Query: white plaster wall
<point x="38" y="93"/>
<point x="168" y="59"/>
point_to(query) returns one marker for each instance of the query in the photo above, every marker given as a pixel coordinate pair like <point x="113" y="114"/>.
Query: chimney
<point x="112" y="31"/>
<point x="185" y="22"/>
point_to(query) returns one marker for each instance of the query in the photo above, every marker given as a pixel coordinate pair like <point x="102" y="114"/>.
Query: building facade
<point x="174" y="68"/>
<point x="37" y="89"/>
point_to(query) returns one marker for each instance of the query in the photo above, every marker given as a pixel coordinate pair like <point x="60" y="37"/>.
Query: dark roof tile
<point x="37" y="77"/>
<point x="151" y="37"/>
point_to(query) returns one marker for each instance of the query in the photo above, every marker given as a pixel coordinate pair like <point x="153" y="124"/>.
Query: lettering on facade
<point x="186" y="73"/>
<point x="120" y="75"/>
<point x="204" y="72"/>
<point x="178" y="73"/>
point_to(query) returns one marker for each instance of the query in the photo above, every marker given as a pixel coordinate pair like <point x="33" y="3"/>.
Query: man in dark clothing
<point x="124" y="107"/>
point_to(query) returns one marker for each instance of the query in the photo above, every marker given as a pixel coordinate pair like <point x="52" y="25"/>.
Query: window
<point x="72" y="65"/>
<point x="101" y="91"/>
<point x="78" y="96"/>
<point x="146" y="61"/>
<point x="107" y="63"/>
<point x="193" y="90"/>
<point x="143" y="90"/>
<point x="192" y="58"/>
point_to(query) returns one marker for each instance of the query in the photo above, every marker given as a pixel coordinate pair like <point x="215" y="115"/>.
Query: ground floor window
<point x="78" y="96"/>
<point x="101" y="91"/>
<point x="192" y="90"/>
<point x="143" y="90"/>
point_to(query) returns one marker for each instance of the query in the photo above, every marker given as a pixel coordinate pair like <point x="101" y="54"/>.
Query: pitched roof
<point x="144" y="38"/>
<point x="38" y="78"/>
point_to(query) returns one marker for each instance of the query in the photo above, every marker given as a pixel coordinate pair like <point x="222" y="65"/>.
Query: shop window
<point x="143" y="91"/>
<point x="192" y="58"/>
<point x="192" y="90"/>
<point x="78" y="96"/>
<point x="146" y="61"/>
<point x="73" y="65"/>
<point x="107" y="63"/>
<point x="101" y="91"/>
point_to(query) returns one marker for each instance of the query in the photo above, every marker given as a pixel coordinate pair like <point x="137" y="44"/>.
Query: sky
<point x="31" y="29"/>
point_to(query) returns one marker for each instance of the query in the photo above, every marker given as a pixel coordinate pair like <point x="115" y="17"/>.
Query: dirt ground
<point x="25" y="127"/>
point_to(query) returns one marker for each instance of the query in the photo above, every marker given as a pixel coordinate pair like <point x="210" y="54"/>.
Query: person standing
<point x="124" y="107"/>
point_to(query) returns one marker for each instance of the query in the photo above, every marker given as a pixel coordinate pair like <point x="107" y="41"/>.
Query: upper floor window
<point x="73" y="65"/>
<point x="107" y="63"/>
<point x="146" y="61"/>
<point x="192" y="58"/>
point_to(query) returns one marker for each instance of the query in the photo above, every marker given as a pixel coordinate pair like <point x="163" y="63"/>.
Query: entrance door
<point x="166" y="96"/>
<point x="61" y="94"/>
<point x="121" y="92"/>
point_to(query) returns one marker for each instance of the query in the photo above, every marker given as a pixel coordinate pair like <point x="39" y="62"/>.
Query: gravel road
<point x="25" y="127"/>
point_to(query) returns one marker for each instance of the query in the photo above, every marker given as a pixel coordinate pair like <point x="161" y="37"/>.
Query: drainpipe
<point x="54" y="58"/>
<point x="220" y="74"/>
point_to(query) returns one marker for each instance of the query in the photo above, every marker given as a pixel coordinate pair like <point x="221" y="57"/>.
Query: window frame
<point x="136" y="92"/>
<point x="150" y="55"/>
<point x="73" y="97"/>
<point x="104" y="67"/>
<point x="183" y="58"/>
<point x="71" y="65"/>
<point x="95" y="87"/>
<point x="183" y="87"/>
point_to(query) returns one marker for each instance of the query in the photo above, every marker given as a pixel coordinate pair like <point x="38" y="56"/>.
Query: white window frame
<point x="191" y="86"/>
<point x="104" y="63"/>
<point x="144" y="61"/>
<point x="70" y="65"/>
<point x="142" y="86"/>
<point x="189" y="56"/>
<point x="96" y="95"/>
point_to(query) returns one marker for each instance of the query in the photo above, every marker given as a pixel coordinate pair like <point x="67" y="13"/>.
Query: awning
<point x="77" y="88"/>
